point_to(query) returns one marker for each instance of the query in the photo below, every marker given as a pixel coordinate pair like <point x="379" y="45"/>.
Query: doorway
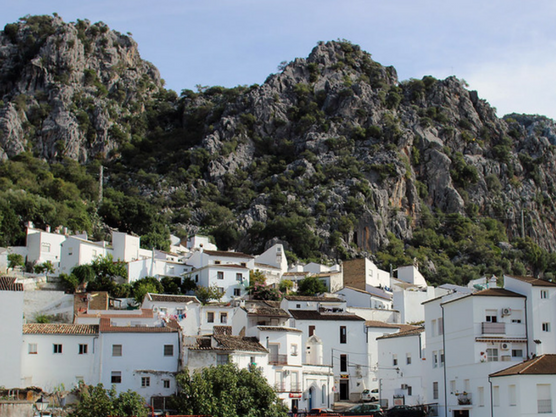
<point x="461" y="413"/>
<point x="344" y="389"/>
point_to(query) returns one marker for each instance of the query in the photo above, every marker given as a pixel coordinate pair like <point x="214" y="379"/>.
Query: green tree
<point x="205" y="294"/>
<point x="145" y="285"/>
<point x="311" y="285"/>
<point x="226" y="391"/>
<point x="15" y="260"/>
<point x="95" y="401"/>
<point x="45" y="267"/>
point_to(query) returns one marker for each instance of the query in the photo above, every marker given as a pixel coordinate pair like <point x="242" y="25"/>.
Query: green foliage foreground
<point x="226" y="391"/>
<point x="95" y="401"/>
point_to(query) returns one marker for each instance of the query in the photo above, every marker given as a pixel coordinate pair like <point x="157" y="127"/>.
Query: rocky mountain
<point x="333" y="155"/>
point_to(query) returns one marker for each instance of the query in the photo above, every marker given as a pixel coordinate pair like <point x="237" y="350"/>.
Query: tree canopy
<point x="226" y="391"/>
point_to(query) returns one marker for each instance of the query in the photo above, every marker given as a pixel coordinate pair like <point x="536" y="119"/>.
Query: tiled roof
<point x="381" y="324"/>
<point x="9" y="284"/>
<point x="222" y="330"/>
<point x="535" y="282"/>
<point x="541" y="365"/>
<point x="60" y="328"/>
<point x="497" y="292"/>
<point x="106" y="327"/>
<point x="315" y="315"/>
<point x="262" y="308"/>
<point x="406" y="331"/>
<point x="314" y="298"/>
<point x="249" y="344"/>
<point x="228" y="254"/>
<point x="144" y="313"/>
<point x="168" y="298"/>
<point x="279" y="329"/>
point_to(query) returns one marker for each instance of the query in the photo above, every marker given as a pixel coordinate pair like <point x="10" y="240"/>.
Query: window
<point x="239" y="277"/>
<point x="435" y="390"/>
<point x="496" y="396"/>
<point x="237" y="292"/>
<point x="223" y="318"/>
<point x="298" y="306"/>
<point x="166" y="383"/>
<point x="244" y="264"/>
<point x="517" y="353"/>
<point x="481" y="391"/>
<point x="311" y="330"/>
<point x="57" y="348"/>
<point x="343" y="363"/>
<point x="491" y="316"/>
<point x="221" y="290"/>
<point x="83" y="349"/>
<point x="116" y="377"/>
<point x="544" y="294"/>
<point x="196" y="278"/>
<point x="492" y="355"/>
<point x="116" y="350"/>
<point x="434" y="359"/>
<point x="70" y="251"/>
<point x="220" y="275"/>
<point x="544" y="399"/>
<point x="168" y="350"/>
<point x="440" y="326"/>
<point x="32" y="349"/>
<point x="217" y="262"/>
<point x="441" y="358"/>
<point x="210" y="317"/>
<point x="343" y="334"/>
<point x="45" y="247"/>
<point x="546" y="327"/>
<point x="395" y="360"/>
<point x="512" y="395"/>
<point x="409" y="390"/>
<point x="408" y="359"/>
<point x="433" y="328"/>
<point x="294" y="350"/>
<point x="145" y="381"/>
<point x="221" y="359"/>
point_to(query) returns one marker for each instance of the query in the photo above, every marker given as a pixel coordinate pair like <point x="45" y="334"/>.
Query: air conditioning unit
<point x="506" y="311"/>
<point x="504" y="346"/>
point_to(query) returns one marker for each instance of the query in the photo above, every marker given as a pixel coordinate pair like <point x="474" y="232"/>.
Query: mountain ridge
<point x="332" y="155"/>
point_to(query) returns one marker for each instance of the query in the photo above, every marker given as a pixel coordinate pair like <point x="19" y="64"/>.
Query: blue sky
<point x="504" y="49"/>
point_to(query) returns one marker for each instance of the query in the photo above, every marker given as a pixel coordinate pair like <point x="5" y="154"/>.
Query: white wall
<point x="11" y="312"/>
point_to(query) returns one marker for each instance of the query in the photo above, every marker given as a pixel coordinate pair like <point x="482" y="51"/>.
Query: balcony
<point x="464" y="399"/>
<point x="280" y="387"/>
<point x="295" y="387"/>
<point x="493" y="328"/>
<point x="275" y="359"/>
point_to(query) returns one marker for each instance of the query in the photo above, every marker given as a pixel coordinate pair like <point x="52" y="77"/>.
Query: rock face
<point x="68" y="89"/>
<point x="333" y="145"/>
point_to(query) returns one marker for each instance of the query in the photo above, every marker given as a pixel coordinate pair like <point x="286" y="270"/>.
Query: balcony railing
<point x="295" y="387"/>
<point x="464" y="399"/>
<point x="544" y="406"/>
<point x="280" y="386"/>
<point x="278" y="359"/>
<point x="493" y="328"/>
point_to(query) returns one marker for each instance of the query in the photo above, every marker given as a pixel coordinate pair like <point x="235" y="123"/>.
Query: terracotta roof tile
<point x="9" y="284"/>
<point x="407" y="330"/>
<point x="249" y="344"/>
<point x="314" y="298"/>
<point x="279" y="329"/>
<point x="228" y="254"/>
<point x="61" y="329"/>
<point x="535" y="282"/>
<point x="381" y="324"/>
<point x="168" y="298"/>
<point x="541" y="365"/>
<point x="316" y="315"/>
<point x="106" y="327"/>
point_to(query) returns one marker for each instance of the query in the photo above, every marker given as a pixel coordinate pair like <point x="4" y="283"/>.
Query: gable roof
<point x="535" y="282"/>
<point x="489" y="292"/>
<point x="316" y="315"/>
<point x="228" y="343"/>
<point x="404" y="331"/>
<point x="168" y="298"/>
<point x="228" y="254"/>
<point x="9" y="284"/>
<point x="264" y="308"/>
<point x="382" y="324"/>
<point x="540" y="365"/>
<point x="61" y="329"/>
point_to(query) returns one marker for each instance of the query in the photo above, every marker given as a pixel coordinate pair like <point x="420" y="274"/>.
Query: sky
<point x="504" y="49"/>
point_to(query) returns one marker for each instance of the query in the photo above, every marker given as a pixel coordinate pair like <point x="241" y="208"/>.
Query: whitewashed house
<point x="56" y="355"/>
<point x="272" y="263"/>
<point x="228" y="271"/>
<point x="43" y="246"/>
<point x="525" y="389"/>
<point x="214" y="315"/>
<point x="11" y="314"/>
<point x="363" y="273"/>
<point x="401" y="368"/>
<point x="79" y="251"/>
<point x="342" y="335"/>
<point x="143" y="359"/>
<point x="184" y="309"/>
<point x="356" y="297"/>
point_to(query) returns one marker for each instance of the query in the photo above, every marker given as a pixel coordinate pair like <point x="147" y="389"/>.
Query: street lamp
<point x="41" y="405"/>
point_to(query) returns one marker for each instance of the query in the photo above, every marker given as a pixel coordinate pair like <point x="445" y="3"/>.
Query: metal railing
<point x="278" y="359"/>
<point x="493" y="328"/>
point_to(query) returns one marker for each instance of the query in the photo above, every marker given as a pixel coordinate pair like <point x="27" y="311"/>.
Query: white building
<point x="363" y="273"/>
<point x="11" y="312"/>
<point x="525" y="389"/>
<point x="56" y="355"/>
<point x="273" y="263"/>
<point x="401" y="367"/>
